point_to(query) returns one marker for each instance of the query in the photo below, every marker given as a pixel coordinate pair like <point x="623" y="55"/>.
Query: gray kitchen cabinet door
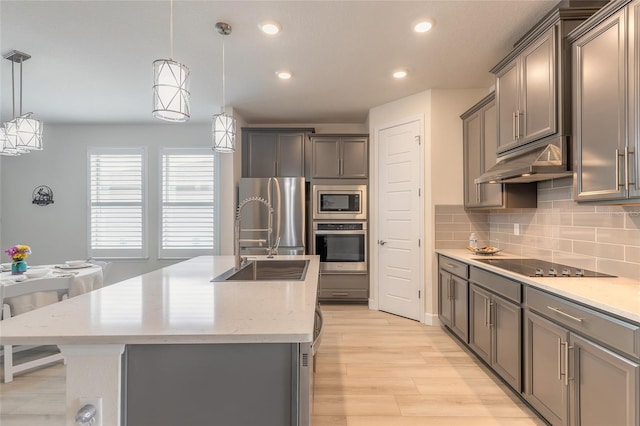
<point x="326" y="157"/>
<point x="536" y="117"/>
<point x="290" y="161"/>
<point x="507" y="84"/>
<point x="472" y="133"/>
<point x="544" y="380"/>
<point x="599" y="118"/>
<point x="506" y="356"/>
<point x="460" y="310"/>
<point x="490" y="193"/>
<point x="479" y="328"/>
<point x="445" y="306"/>
<point x="634" y="96"/>
<point x="354" y="163"/>
<point x="605" y="388"/>
<point x="261" y="155"/>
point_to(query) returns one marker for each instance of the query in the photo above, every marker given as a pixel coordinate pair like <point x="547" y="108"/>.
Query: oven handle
<point x="334" y="232"/>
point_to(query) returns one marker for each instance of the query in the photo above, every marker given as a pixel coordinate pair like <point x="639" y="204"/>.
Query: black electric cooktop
<point x="541" y="268"/>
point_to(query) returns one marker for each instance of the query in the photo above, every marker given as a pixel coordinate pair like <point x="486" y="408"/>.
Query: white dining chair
<point x="105" y="268"/>
<point x="20" y="297"/>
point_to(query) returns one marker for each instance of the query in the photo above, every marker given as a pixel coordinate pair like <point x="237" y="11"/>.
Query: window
<point x="187" y="219"/>
<point x="117" y="203"/>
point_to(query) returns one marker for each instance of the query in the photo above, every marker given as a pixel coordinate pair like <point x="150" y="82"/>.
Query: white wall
<point x="58" y="232"/>
<point x="441" y="110"/>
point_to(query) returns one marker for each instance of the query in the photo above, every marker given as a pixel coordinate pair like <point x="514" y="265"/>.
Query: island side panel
<point x="226" y="384"/>
<point x="94" y="373"/>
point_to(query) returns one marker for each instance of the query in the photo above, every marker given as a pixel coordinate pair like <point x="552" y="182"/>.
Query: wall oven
<point x="342" y="247"/>
<point x="339" y="202"/>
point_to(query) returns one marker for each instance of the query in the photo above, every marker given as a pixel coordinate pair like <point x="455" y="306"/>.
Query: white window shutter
<point x="187" y="222"/>
<point x="117" y="200"/>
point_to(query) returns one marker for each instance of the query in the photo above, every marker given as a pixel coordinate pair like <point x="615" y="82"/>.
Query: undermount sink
<point x="267" y="270"/>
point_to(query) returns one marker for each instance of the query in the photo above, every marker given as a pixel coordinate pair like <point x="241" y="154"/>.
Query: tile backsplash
<point x="600" y="238"/>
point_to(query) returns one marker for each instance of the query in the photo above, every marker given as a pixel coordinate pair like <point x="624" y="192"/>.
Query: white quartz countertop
<point x="616" y="295"/>
<point x="177" y="304"/>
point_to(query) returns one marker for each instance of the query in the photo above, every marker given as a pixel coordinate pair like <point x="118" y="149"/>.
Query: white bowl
<point x="36" y="273"/>
<point x="5" y="267"/>
<point x="75" y="263"/>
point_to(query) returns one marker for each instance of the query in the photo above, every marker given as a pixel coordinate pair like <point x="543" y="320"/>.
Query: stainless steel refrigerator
<point x="287" y="197"/>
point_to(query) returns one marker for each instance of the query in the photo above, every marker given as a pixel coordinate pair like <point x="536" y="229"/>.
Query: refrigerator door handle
<point x="278" y="209"/>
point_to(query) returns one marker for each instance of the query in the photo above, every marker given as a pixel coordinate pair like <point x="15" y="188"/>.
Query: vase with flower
<point x="18" y="254"/>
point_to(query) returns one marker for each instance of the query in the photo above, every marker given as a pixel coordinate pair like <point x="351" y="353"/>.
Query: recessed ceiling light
<point x="423" y="26"/>
<point x="284" y="75"/>
<point x="400" y="74"/>
<point x="270" y="27"/>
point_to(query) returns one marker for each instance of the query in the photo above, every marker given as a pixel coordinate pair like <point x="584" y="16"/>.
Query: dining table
<point x="82" y="279"/>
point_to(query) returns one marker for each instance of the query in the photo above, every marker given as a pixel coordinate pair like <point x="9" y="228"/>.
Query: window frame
<point x="118" y="254"/>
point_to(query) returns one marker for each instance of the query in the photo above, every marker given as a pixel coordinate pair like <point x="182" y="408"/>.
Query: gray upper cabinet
<point x="532" y="82"/>
<point x="527" y="94"/>
<point x="339" y="156"/>
<point x="273" y="152"/>
<point x="605" y="104"/>
<point x="479" y="142"/>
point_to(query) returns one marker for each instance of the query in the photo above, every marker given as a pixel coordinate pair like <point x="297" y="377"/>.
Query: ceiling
<point x="91" y="60"/>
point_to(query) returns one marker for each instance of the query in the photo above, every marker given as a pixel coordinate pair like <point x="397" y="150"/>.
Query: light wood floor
<point x="373" y="369"/>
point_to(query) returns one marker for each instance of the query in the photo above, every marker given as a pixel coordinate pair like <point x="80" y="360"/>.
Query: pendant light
<point x="6" y="147"/>
<point x="170" y="85"/>
<point x="223" y="126"/>
<point x="23" y="133"/>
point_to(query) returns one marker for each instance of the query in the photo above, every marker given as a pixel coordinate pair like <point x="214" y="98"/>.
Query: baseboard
<point x="431" y="319"/>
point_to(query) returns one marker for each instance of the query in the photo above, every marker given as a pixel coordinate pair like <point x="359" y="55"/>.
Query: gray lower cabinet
<point x="348" y="287"/>
<point x="339" y="156"/>
<point x="606" y="97"/>
<point x="569" y="377"/>
<point x="494" y="333"/>
<point x="453" y="297"/>
<point x="217" y="384"/>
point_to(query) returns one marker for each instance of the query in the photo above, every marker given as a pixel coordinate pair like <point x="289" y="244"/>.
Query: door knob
<point x="381" y="242"/>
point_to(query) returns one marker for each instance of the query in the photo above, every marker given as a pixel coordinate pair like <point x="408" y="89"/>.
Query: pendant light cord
<point x="223" y="80"/>
<point x="171" y="30"/>
<point x="21" y="86"/>
<point x="13" y="89"/>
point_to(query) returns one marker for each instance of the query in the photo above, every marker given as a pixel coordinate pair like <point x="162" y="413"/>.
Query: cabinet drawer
<point x="617" y="334"/>
<point x="337" y="294"/>
<point x="505" y="287"/>
<point x="344" y="281"/>
<point x="455" y="267"/>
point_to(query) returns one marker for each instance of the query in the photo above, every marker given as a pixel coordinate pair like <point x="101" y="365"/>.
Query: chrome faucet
<point x="237" y="228"/>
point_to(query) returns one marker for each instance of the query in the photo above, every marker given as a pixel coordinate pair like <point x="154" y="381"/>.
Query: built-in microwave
<point x="331" y="202"/>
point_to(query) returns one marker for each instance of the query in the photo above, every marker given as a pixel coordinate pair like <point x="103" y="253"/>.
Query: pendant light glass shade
<point x="6" y="147"/>
<point x="170" y="90"/>
<point x="25" y="133"/>
<point x="224" y="133"/>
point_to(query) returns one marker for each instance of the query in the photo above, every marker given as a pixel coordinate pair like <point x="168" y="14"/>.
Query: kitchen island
<point x="107" y="334"/>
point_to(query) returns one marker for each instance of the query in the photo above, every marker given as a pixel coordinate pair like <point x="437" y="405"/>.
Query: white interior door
<point x="399" y="225"/>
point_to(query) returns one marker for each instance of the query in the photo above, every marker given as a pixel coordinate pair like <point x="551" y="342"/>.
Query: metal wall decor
<point x="42" y="196"/>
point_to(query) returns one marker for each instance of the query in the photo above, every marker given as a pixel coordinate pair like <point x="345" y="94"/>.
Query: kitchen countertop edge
<point x="621" y="297"/>
<point x="232" y="312"/>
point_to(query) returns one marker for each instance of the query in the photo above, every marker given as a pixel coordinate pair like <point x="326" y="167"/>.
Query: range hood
<point x="542" y="163"/>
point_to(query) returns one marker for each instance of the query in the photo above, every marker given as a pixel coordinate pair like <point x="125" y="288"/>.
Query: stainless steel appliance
<point x="339" y="202"/>
<point x="342" y="246"/>
<point x="286" y="195"/>
<point x="541" y="268"/>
